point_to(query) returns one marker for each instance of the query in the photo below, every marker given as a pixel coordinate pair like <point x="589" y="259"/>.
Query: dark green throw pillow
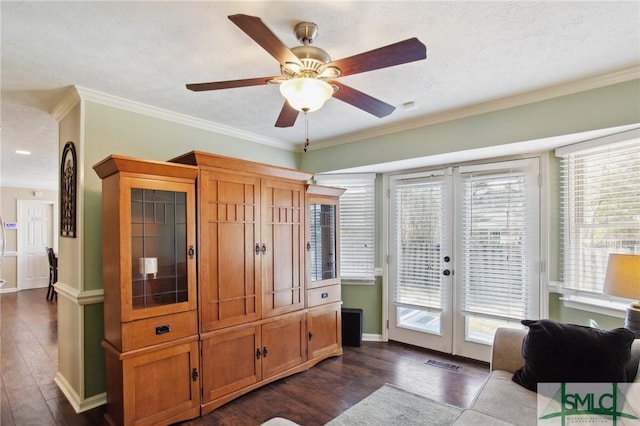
<point x="556" y="352"/>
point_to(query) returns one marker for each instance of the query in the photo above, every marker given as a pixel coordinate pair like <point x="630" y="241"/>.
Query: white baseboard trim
<point x="75" y="400"/>
<point x="372" y="337"/>
<point x="81" y="298"/>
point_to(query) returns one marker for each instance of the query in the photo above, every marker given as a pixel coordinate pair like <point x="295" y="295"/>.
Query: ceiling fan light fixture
<point x="306" y="94"/>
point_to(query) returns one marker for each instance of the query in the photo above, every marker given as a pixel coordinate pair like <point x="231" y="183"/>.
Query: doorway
<point x="464" y="254"/>
<point x="35" y="233"/>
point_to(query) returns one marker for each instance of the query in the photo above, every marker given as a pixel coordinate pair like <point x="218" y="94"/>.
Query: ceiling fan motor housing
<point x="306" y="32"/>
<point x="312" y="57"/>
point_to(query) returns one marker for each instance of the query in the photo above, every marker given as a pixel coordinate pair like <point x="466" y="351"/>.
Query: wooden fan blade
<point x="261" y="34"/>
<point x="409" y="50"/>
<point x="217" y="85"/>
<point x="362" y="100"/>
<point x="287" y="117"/>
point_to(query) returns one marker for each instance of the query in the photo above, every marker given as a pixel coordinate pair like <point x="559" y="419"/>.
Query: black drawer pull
<point x="163" y="329"/>
<point x="324" y="295"/>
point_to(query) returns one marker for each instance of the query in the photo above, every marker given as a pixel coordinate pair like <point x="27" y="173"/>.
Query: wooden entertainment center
<point x="220" y="275"/>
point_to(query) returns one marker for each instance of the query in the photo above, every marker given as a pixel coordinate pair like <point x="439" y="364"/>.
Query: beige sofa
<point x="500" y="401"/>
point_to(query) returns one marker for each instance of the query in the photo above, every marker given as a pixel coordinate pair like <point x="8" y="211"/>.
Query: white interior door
<point x="463" y="255"/>
<point x="35" y="233"/>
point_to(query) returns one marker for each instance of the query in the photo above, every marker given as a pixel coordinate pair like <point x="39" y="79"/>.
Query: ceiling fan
<point x="308" y="68"/>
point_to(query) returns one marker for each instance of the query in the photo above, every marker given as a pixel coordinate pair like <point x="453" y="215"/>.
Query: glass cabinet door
<point x="159" y="272"/>
<point x="323" y="236"/>
<point x="322" y="242"/>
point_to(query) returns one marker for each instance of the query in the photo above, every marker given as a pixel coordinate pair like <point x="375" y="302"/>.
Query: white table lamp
<point x="623" y="280"/>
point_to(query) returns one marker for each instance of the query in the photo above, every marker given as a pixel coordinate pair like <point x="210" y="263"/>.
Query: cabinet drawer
<point x="165" y="328"/>
<point x="323" y="295"/>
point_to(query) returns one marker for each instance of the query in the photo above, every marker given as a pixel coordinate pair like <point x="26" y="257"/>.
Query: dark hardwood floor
<point x="28" y="358"/>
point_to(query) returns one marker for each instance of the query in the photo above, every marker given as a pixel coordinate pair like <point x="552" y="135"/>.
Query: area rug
<point x="390" y="405"/>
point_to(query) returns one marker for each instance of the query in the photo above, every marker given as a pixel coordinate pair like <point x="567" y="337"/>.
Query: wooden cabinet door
<point x="157" y="223"/>
<point x="230" y="362"/>
<point x="229" y="272"/>
<point x="324" y="331"/>
<point x="283" y="344"/>
<point x="160" y="386"/>
<point x="283" y="236"/>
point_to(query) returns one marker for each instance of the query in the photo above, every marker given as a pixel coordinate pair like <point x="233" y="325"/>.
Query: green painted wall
<point x="369" y="299"/>
<point x="575" y="316"/>
<point x="110" y="130"/>
<point x="606" y="107"/>
<point x="94" y="378"/>
<point x="610" y="106"/>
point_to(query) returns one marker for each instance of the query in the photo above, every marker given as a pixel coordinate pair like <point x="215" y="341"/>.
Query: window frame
<point x="349" y="181"/>
<point x="574" y="296"/>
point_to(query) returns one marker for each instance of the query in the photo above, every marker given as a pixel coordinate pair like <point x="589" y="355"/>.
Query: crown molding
<point x="547" y="93"/>
<point x="66" y="104"/>
<point x="77" y="93"/>
<point x="95" y="96"/>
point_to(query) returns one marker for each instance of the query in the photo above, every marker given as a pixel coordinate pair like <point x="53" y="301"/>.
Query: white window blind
<point x="495" y="240"/>
<point x="600" y="187"/>
<point x="357" y="225"/>
<point x="420" y="224"/>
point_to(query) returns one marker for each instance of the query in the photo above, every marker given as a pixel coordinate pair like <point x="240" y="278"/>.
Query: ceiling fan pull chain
<point x="306" y="131"/>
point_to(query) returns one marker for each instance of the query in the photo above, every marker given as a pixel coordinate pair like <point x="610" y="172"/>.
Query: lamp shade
<point x="623" y="276"/>
<point x="306" y="94"/>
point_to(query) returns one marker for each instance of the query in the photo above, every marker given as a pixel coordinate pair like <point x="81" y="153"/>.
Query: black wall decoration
<point x="68" y="178"/>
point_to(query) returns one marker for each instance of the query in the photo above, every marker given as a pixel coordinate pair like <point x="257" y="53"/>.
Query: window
<point x="600" y="182"/>
<point x="357" y="225"/>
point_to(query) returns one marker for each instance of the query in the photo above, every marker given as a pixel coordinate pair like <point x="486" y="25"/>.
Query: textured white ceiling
<point x="147" y="51"/>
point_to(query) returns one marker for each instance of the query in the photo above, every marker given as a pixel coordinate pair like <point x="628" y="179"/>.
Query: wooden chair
<point x="53" y="274"/>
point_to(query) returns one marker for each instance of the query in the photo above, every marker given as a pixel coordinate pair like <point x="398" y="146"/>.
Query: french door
<point x="463" y="254"/>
